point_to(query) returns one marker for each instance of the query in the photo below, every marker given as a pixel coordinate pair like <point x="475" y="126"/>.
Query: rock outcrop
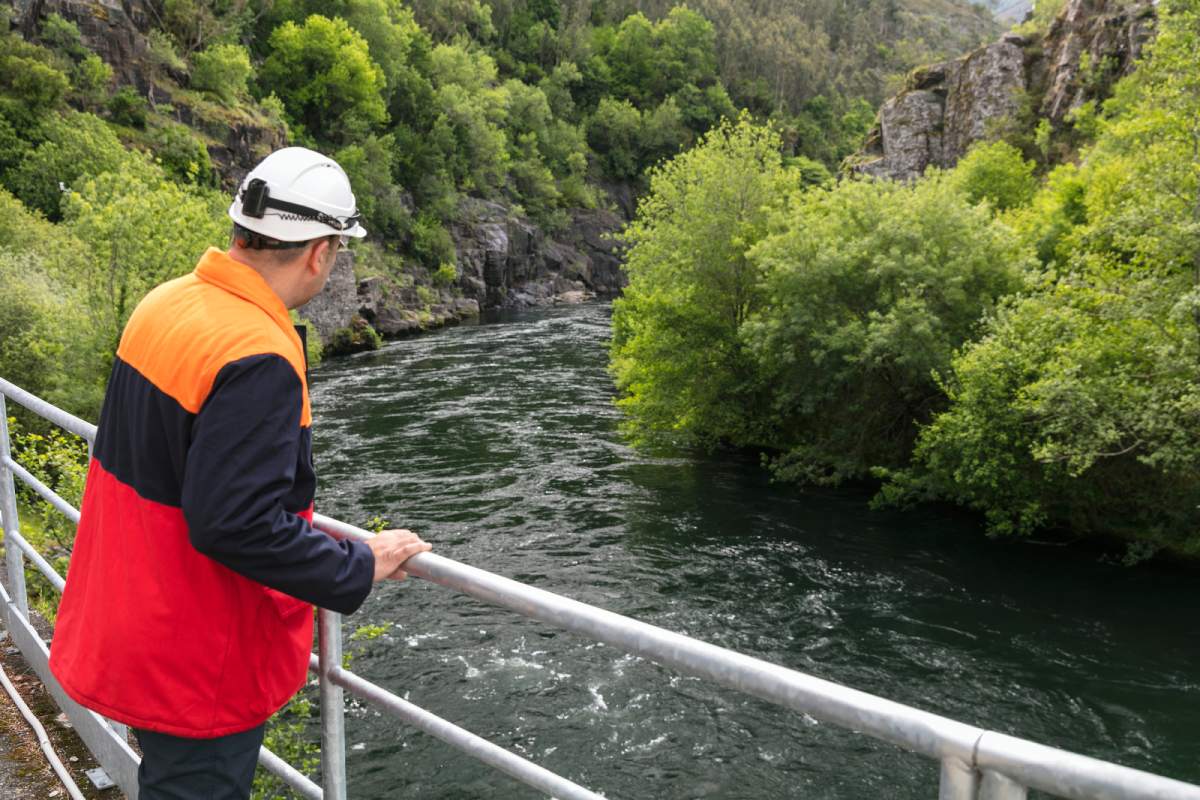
<point x="111" y="28"/>
<point x="503" y="261"/>
<point x="506" y="261"/>
<point x="946" y="107"/>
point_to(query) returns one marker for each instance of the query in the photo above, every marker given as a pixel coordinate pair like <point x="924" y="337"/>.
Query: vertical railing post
<point x="8" y="508"/>
<point x="995" y="786"/>
<point x="333" y="721"/>
<point x="959" y="781"/>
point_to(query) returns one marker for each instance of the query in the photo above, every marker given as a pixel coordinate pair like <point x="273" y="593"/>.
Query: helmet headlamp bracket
<point x="254" y="198"/>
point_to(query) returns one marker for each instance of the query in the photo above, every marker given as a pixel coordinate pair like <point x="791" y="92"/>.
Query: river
<point x="499" y="443"/>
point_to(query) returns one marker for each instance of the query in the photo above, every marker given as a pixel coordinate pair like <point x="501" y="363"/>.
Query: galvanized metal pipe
<point x="12" y="529"/>
<point x="64" y="776"/>
<point x="908" y="727"/>
<point x="113" y="752"/>
<point x="289" y="775"/>
<point x="46" y="493"/>
<point x="1073" y="776"/>
<point x="957" y="780"/>
<point x="996" y="786"/>
<point x="37" y="405"/>
<point x="333" y="719"/>
<point x="478" y="748"/>
<point x="1045" y="768"/>
<point x="43" y="566"/>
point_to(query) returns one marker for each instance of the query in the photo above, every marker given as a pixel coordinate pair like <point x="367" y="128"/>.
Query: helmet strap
<point x="256" y="199"/>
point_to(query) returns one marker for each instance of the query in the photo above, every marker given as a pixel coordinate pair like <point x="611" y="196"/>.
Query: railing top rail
<point x="37" y="405"/>
<point x="1041" y="767"/>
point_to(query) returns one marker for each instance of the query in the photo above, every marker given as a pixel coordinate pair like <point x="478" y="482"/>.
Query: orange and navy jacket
<point x="187" y="606"/>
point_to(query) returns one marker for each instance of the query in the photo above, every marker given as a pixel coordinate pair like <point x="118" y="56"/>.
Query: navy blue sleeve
<point x="241" y="465"/>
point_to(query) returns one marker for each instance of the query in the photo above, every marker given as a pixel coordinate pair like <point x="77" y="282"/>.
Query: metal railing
<point x="976" y="764"/>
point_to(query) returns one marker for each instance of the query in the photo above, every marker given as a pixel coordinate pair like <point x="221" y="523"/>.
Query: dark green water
<point x="499" y="444"/>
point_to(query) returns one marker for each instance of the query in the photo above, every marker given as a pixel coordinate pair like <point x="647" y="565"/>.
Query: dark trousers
<point x="174" y="768"/>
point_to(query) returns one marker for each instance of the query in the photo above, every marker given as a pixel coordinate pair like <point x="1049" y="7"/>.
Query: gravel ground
<point x="24" y="772"/>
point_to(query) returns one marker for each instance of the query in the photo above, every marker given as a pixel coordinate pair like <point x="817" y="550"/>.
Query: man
<point x="188" y="608"/>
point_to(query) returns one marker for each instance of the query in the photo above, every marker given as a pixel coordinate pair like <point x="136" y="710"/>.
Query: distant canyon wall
<point x="944" y="108"/>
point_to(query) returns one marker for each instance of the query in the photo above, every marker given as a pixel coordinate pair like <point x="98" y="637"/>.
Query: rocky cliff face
<point x="504" y="261"/>
<point x="115" y="30"/>
<point x="946" y="107"/>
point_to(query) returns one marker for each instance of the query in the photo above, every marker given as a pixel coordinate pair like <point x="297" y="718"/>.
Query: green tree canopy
<point x="677" y="353"/>
<point x="871" y="288"/>
<point x="323" y="72"/>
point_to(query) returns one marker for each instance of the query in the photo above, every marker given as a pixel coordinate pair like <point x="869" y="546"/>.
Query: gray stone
<point x="337" y="303"/>
<point x="946" y="107"/>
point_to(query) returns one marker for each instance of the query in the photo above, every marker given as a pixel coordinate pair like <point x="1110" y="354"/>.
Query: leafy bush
<point x="127" y="107"/>
<point x="62" y="35"/>
<point x="323" y="72"/>
<point x="222" y="70"/>
<point x="73" y="146"/>
<point x="357" y="337"/>
<point x="872" y="287"/>
<point x="91" y="78"/>
<point x="183" y="155"/>
<point x="997" y="173"/>
<point x="143" y="230"/>
<point x="31" y="84"/>
<point x="59" y="460"/>
<point x="431" y="242"/>
<point x="446" y="274"/>
<point x="1079" y="408"/>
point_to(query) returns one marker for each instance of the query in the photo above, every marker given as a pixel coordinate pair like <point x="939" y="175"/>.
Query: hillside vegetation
<point x="110" y="187"/>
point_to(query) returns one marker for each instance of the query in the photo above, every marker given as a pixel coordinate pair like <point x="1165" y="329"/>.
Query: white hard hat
<point x="296" y="194"/>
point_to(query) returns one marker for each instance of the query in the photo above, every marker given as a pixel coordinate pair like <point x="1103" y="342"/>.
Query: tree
<point x="142" y="229"/>
<point x="1078" y="408"/>
<point x="222" y="70"/>
<point x="323" y="72"/>
<point x="996" y="172"/>
<point x="73" y="146"/>
<point x="614" y="133"/>
<point x="677" y="353"/>
<point x="870" y="287"/>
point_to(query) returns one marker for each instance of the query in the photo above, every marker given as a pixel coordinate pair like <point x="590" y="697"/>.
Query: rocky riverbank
<point x="503" y="260"/>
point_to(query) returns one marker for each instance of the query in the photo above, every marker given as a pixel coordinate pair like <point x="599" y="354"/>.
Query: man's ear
<point x="316" y="254"/>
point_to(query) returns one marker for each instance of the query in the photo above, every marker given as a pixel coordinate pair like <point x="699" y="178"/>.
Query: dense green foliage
<point x="677" y="349"/>
<point x="816" y="325"/>
<point x="871" y="288"/>
<point x="1080" y="406"/>
<point x="1024" y="345"/>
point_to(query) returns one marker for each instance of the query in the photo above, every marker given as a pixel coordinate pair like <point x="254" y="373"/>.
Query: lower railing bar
<point x="43" y="566"/>
<point x="37" y="405"/>
<point x="996" y="786"/>
<point x="42" y="489"/>
<point x="113" y="752"/>
<point x="478" y="748"/>
<point x="1073" y="776"/>
<point x="289" y="775"/>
